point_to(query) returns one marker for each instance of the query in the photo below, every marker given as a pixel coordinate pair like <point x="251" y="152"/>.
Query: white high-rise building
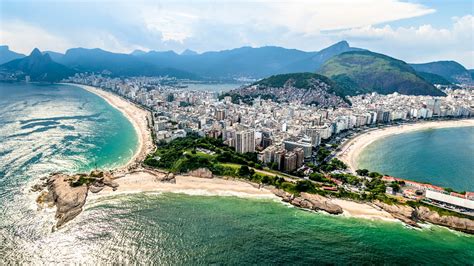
<point x="245" y="141"/>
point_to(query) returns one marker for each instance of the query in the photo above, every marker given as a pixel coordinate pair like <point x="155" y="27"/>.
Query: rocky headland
<point x="68" y="193"/>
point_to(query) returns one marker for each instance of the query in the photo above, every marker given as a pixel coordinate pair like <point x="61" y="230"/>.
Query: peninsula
<point x="210" y="167"/>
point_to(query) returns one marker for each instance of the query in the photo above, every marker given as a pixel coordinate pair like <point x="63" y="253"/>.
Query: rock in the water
<point x="36" y="188"/>
<point x="68" y="199"/>
<point x="108" y="181"/>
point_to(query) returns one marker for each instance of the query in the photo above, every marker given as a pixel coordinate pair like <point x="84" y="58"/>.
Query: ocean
<point x="443" y="157"/>
<point x="46" y="128"/>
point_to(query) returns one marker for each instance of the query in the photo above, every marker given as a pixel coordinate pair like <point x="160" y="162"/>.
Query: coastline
<point x="137" y="116"/>
<point x="145" y="182"/>
<point x="133" y="178"/>
<point x="351" y="149"/>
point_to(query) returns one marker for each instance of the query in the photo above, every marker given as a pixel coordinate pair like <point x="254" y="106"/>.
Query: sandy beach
<point x="351" y="150"/>
<point x="137" y="116"/>
<point x="142" y="182"/>
<point x="362" y="210"/>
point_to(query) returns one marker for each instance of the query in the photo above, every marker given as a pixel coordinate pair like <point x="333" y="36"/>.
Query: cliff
<point x="412" y="216"/>
<point x="457" y="223"/>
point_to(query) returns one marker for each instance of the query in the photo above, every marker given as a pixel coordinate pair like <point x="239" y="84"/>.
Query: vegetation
<point x="364" y="71"/>
<point x="180" y="155"/>
<point x="433" y="78"/>
<point x="236" y="98"/>
<point x="451" y="71"/>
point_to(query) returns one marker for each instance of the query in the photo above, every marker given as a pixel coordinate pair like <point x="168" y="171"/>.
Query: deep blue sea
<point x="45" y="128"/>
<point x="444" y="157"/>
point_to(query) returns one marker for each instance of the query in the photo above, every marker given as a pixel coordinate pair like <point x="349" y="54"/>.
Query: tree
<point x="304" y="186"/>
<point x="395" y="186"/>
<point x="362" y="172"/>
<point x="244" y="171"/>
<point x="374" y="174"/>
<point x="316" y="177"/>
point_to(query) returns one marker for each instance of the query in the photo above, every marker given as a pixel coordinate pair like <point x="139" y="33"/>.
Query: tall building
<point x="290" y="162"/>
<point x="313" y="133"/>
<point x="279" y="158"/>
<point x="299" y="157"/>
<point x="245" y="141"/>
<point x="306" y="147"/>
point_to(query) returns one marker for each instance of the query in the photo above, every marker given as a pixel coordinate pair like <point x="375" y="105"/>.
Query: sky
<point x="413" y="31"/>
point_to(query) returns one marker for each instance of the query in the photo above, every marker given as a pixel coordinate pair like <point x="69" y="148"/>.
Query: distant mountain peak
<point x="189" y="52"/>
<point x="138" y="52"/>
<point x="38" y="66"/>
<point x="35" y="53"/>
<point x="341" y="44"/>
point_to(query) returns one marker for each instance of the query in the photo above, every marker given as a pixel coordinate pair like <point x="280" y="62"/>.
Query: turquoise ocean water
<point x="57" y="127"/>
<point x="443" y="157"/>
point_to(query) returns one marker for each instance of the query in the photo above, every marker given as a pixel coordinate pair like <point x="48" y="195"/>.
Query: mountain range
<point x="376" y="72"/>
<point x="6" y="55"/>
<point x="38" y="66"/>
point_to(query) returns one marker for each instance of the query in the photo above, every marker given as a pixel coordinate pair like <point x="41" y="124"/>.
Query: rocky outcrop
<point x="412" y="216"/>
<point x="285" y="196"/>
<point x="309" y="201"/>
<point x="457" y="223"/>
<point x="69" y="192"/>
<point x="316" y="202"/>
<point x="403" y="213"/>
<point x="68" y="199"/>
<point x="201" y="172"/>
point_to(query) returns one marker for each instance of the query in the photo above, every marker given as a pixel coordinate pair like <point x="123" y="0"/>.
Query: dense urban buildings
<point x="285" y="135"/>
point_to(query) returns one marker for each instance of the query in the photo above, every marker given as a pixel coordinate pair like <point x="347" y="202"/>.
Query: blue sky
<point x="414" y="31"/>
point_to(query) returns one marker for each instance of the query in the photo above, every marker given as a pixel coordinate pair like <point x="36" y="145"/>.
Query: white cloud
<point x="418" y="44"/>
<point x="23" y="38"/>
<point x="178" y="21"/>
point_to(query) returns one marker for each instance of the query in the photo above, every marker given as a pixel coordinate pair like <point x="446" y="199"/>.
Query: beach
<point x="143" y="182"/>
<point x="351" y="149"/>
<point x="137" y="116"/>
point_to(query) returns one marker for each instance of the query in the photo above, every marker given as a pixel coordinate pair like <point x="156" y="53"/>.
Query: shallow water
<point x="444" y="157"/>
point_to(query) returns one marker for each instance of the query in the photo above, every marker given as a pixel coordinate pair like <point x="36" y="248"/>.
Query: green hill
<point x="450" y="70"/>
<point x="364" y="71"/>
<point x="307" y="88"/>
<point x="433" y="78"/>
<point x="38" y="66"/>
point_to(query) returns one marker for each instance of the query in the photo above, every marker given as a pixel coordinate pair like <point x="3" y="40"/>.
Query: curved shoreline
<point x="136" y="115"/>
<point x="352" y="149"/>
